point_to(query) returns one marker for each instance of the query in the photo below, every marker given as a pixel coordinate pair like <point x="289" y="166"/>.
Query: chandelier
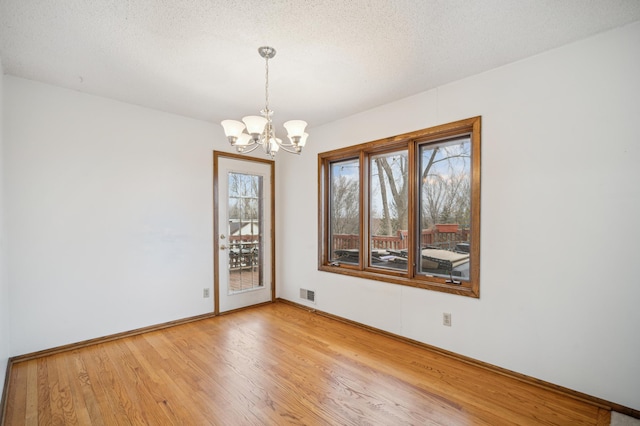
<point x="259" y="129"/>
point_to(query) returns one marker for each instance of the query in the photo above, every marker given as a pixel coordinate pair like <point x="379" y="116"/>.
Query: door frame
<point x="216" y="230"/>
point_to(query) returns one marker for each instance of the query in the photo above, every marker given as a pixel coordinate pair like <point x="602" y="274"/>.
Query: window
<point x="344" y="208"/>
<point x="388" y="204"/>
<point x="405" y="209"/>
<point x="245" y="213"/>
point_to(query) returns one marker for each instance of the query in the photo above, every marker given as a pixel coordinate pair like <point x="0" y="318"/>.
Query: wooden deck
<point x="244" y="278"/>
<point x="275" y="364"/>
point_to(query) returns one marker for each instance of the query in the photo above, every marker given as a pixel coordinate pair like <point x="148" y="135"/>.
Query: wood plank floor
<point x="275" y="364"/>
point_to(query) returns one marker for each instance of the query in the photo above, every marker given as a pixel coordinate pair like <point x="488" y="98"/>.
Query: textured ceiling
<point x="199" y="58"/>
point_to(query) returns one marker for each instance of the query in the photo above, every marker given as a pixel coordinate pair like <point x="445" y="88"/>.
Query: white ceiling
<point x="199" y="58"/>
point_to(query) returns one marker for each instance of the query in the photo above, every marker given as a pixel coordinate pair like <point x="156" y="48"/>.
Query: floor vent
<point x="309" y="295"/>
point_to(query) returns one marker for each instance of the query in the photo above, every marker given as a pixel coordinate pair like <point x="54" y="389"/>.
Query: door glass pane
<point x="344" y="207"/>
<point x="445" y="209"/>
<point x="388" y="218"/>
<point x="245" y="213"/>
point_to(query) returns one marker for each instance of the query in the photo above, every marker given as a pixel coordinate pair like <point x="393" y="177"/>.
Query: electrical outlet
<point x="205" y="293"/>
<point x="446" y="319"/>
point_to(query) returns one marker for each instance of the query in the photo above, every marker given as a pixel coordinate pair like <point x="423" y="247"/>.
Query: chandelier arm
<point x="248" y="148"/>
<point x="289" y="144"/>
<point x="289" y="150"/>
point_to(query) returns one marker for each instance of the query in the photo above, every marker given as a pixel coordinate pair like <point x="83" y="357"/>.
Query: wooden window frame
<point x="411" y="142"/>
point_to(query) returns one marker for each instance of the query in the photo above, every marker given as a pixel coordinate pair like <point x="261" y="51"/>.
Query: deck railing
<point x="244" y="252"/>
<point x="442" y="236"/>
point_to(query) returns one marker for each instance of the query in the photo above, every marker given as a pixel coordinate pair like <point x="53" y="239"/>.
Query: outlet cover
<point x="446" y="319"/>
<point x="205" y="293"/>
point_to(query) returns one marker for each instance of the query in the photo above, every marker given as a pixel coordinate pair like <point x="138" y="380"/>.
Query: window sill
<point x="424" y="282"/>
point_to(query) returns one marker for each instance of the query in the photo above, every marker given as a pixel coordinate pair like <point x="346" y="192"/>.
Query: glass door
<point x="243" y="231"/>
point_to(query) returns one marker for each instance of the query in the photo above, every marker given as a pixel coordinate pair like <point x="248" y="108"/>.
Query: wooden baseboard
<point x="598" y="402"/>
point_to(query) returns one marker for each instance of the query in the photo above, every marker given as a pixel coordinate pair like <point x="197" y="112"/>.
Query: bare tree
<point x="392" y="172"/>
<point x="345" y="194"/>
<point x="446" y="189"/>
<point x="244" y="198"/>
<point x="446" y="200"/>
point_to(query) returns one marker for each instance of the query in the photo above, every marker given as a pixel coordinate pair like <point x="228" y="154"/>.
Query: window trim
<point x="410" y="141"/>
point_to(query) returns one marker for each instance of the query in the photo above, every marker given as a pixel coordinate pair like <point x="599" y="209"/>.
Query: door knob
<point x="223" y="247"/>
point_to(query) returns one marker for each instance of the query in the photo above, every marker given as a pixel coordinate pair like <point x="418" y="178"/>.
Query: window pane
<point x="388" y="216"/>
<point x="245" y="237"/>
<point x="344" y="216"/>
<point x="445" y="209"/>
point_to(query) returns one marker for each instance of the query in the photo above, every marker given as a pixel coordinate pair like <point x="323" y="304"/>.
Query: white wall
<point x="109" y="215"/>
<point x="560" y="230"/>
<point x="4" y="283"/>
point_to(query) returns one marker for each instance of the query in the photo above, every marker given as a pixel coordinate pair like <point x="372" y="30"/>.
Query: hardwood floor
<point x="276" y="364"/>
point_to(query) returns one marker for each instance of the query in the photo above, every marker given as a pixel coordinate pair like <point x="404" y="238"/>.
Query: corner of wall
<point x="4" y="285"/>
